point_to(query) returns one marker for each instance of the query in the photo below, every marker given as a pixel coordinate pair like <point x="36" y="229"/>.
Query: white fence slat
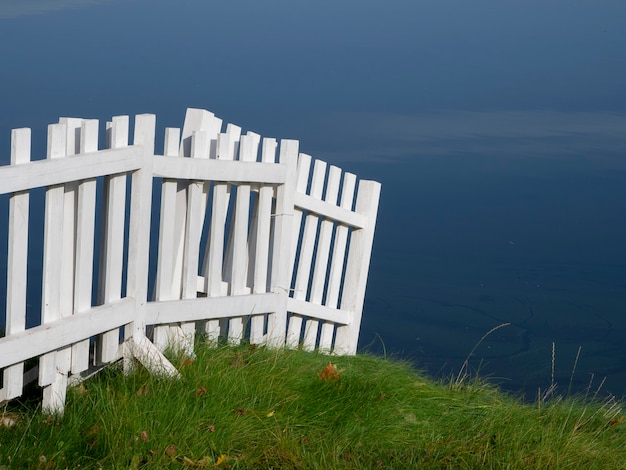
<point x="72" y="147"/>
<point x="218" y="170"/>
<point x="42" y="173"/>
<point x="112" y="250"/>
<point x="214" y="255"/>
<point x="357" y="267"/>
<point x="330" y="211"/>
<point x="165" y="289"/>
<point x="200" y="148"/>
<point x="17" y="262"/>
<point x="203" y="308"/>
<point x="248" y="152"/>
<point x="51" y="377"/>
<point x="260" y="244"/>
<point x="302" y="179"/>
<point x="305" y="259"/>
<point x="139" y="233"/>
<point x="85" y="230"/>
<point x="59" y="333"/>
<point x="282" y="237"/>
<point x="321" y="258"/>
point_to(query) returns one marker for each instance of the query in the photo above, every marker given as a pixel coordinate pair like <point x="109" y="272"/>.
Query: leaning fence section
<point x="226" y="235"/>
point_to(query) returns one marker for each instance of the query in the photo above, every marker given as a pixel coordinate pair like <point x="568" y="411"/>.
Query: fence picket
<point x="200" y="147"/>
<point x="260" y="243"/>
<point x="85" y="230"/>
<point x="357" y="267"/>
<point x="52" y="376"/>
<point x="281" y="238"/>
<point x="168" y="247"/>
<point x="17" y="264"/>
<point x="111" y="263"/>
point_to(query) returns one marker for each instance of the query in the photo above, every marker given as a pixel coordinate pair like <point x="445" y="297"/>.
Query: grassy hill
<point x="254" y="408"/>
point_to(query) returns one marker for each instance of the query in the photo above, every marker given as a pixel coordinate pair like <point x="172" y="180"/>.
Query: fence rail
<point x="226" y="235"/>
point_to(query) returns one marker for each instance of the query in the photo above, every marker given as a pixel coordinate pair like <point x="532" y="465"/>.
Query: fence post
<point x="360" y="250"/>
<point x="139" y="250"/>
<point x="283" y="226"/>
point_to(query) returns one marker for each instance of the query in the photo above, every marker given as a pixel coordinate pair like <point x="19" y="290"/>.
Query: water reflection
<point x="16" y="8"/>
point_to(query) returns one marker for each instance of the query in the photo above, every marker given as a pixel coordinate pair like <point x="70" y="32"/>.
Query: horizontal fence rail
<point x="225" y="236"/>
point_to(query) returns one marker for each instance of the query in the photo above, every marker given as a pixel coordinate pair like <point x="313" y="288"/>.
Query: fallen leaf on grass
<point x="144" y="436"/>
<point x="616" y="421"/>
<point x="170" y="451"/>
<point x="329" y="372"/>
<point x="8" y="420"/>
<point x="201" y="391"/>
<point x="221" y="459"/>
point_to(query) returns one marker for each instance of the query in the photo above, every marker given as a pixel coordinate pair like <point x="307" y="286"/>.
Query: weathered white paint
<point x="16" y="263"/>
<point x="241" y="285"/>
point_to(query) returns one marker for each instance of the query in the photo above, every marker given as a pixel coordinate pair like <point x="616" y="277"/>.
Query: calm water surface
<point x="497" y="132"/>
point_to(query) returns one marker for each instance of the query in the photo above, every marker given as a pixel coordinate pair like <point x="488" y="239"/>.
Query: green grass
<point x="254" y="408"/>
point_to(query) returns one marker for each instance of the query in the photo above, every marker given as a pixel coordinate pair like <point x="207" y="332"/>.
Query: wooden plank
<point x="52" y="370"/>
<point x="320" y="312"/>
<point x="138" y="254"/>
<point x="67" y="273"/>
<point x="307" y="247"/>
<point x="282" y="236"/>
<point x="203" y="308"/>
<point x="17" y="262"/>
<point x="167" y="245"/>
<point x="337" y="263"/>
<point x="42" y="173"/>
<point x="357" y="267"/>
<point x="302" y="179"/>
<point x="330" y="211"/>
<point x="112" y="249"/>
<point x="53" y="335"/>
<point x="248" y="152"/>
<point x="200" y="148"/>
<point x="85" y="231"/>
<point x="321" y="259"/>
<point x="260" y="246"/>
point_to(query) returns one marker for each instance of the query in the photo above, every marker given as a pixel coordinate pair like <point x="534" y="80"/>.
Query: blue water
<point x="496" y="130"/>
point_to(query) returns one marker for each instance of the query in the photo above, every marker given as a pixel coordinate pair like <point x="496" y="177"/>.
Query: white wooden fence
<point x="252" y="245"/>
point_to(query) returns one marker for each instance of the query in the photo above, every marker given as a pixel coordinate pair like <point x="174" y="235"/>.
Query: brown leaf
<point x="143" y="390"/>
<point x="240" y="412"/>
<point x="8" y="420"/>
<point x="329" y="372"/>
<point x="201" y="391"/>
<point x="170" y="451"/>
<point x="144" y="436"/>
<point x="188" y="362"/>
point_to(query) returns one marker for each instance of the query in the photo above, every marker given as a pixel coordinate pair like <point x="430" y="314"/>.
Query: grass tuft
<point x="250" y="407"/>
